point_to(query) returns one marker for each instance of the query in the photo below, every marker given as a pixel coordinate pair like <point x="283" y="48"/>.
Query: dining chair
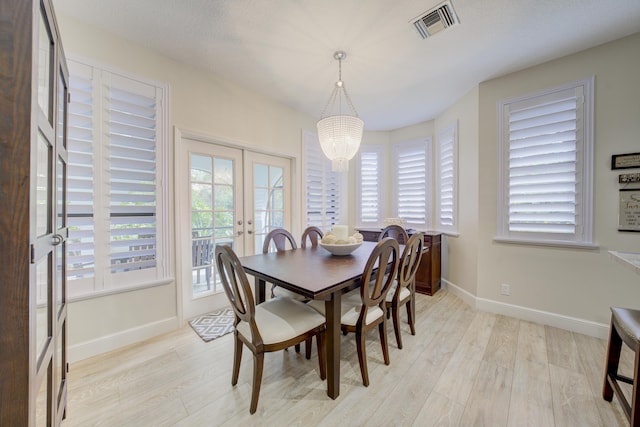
<point x="396" y="232"/>
<point x="313" y="235"/>
<point x="271" y="326"/>
<point x="403" y="290"/>
<point x="625" y="328"/>
<point x="364" y="308"/>
<point x="279" y="237"/>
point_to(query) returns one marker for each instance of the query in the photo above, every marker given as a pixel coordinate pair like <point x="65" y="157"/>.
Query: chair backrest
<point x="395" y="232"/>
<point x="236" y="287"/>
<point x="410" y="260"/>
<point x="279" y="237"/>
<point x="314" y="234"/>
<point x="384" y="254"/>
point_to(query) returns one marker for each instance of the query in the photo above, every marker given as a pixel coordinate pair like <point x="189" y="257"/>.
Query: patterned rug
<point x="213" y="325"/>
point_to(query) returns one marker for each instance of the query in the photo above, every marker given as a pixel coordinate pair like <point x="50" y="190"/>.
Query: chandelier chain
<point x="338" y="90"/>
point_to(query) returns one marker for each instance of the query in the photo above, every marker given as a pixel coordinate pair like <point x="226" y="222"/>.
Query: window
<point x="323" y="187"/>
<point x="117" y="213"/>
<point x="369" y="175"/>
<point x="447" y="176"/>
<point x="546" y="142"/>
<point x="411" y="188"/>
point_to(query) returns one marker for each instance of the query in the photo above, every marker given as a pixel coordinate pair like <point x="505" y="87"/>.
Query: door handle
<point x="249" y="232"/>
<point x="240" y="232"/>
<point x="56" y="239"/>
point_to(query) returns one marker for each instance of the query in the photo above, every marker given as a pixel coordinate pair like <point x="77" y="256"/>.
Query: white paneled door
<point x="225" y="196"/>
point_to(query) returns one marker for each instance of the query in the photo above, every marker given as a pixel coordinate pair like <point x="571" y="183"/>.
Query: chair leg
<point x="237" y="358"/>
<point x="410" y="316"/>
<point x="307" y="349"/>
<point x="258" y="364"/>
<point x="297" y="347"/>
<point x="321" y="354"/>
<point x="362" y="358"/>
<point x="382" y="327"/>
<point x="635" y="396"/>
<point x="396" y="325"/>
<point x="613" y="359"/>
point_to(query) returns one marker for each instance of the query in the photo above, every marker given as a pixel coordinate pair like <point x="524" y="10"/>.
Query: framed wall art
<point x="629" y="210"/>
<point x="625" y="161"/>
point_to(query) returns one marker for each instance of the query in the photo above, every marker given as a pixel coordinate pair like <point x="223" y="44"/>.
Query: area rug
<point x="213" y="325"/>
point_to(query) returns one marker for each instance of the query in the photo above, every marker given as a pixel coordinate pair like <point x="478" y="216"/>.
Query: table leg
<point x="332" y="311"/>
<point x="260" y="294"/>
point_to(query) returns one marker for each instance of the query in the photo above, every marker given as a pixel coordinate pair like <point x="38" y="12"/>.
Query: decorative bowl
<point x="340" y="249"/>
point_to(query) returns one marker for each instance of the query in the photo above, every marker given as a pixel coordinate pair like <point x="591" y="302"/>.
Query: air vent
<point x="435" y="20"/>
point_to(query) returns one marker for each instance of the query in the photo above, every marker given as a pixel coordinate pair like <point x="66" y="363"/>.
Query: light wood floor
<point x="463" y="368"/>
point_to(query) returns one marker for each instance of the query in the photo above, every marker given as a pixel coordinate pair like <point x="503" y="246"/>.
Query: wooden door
<point x="33" y="158"/>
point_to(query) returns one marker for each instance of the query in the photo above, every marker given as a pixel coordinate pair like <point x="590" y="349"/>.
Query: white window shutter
<point x="115" y="200"/>
<point x="547" y="149"/>
<point x="369" y="177"/>
<point x="80" y="180"/>
<point x="323" y="186"/>
<point x="447" y="173"/>
<point x="410" y="182"/>
<point x="130" y="117"/>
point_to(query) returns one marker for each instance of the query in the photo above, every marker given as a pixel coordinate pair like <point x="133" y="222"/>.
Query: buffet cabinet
<point x="428" y="274"/>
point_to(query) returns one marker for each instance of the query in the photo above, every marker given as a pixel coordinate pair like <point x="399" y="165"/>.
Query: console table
<point x="428" y="274"/>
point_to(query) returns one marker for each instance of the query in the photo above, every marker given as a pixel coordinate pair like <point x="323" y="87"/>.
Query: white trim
<point x="111" y="342"/>
<point x="234" y="143"/>
<point x="573" y="324"/>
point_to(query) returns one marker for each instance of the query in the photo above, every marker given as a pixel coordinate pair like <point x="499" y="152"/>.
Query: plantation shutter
<point x="80" y="193"/>
<point x="323" y="187"/>
<point x="131" y="123"/>
<point x="544" y="163"/>
<point x="410" y="164"/>
<point x="370" y="171"/>
<point x="446" y="178"/>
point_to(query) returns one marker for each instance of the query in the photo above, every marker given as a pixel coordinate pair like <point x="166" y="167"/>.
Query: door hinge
<point x="32" y="254"/>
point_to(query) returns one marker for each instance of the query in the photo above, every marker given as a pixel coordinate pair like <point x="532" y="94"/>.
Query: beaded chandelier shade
<point x="340" y="133"/>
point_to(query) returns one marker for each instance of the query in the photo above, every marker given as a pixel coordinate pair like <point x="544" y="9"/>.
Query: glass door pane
<point x="210" y="214"/>
<point x="45" y="58"/>
<point x="269" y="197"/>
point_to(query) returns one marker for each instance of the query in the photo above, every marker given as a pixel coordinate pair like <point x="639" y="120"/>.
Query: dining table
<point x="316" y="274"/>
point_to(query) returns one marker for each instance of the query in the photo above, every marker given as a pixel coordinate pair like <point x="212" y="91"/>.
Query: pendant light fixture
<point x="340" y="132"/>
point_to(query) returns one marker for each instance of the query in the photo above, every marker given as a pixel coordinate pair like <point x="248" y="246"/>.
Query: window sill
<point x="549" y="243"/>
<point x="121" y="289"/>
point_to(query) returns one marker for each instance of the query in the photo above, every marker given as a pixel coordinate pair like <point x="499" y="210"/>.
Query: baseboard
<point x="568" y="323"/>
<point x="111" y="342"/>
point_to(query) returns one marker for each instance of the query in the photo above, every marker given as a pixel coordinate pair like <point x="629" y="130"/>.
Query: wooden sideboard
<point x="428" y="274"/>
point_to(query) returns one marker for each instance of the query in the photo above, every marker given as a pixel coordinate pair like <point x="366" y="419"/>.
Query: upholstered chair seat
<point x="281" y="319"/>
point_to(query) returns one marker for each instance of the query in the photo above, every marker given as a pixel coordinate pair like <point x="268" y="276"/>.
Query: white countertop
<point x="630" y="259"/>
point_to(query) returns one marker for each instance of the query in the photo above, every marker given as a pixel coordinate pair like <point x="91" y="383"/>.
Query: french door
<point x="225" y="196"/>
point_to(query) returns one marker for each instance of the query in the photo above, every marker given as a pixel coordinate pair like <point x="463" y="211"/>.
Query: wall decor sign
<point x="629" y="213"/>
<point x="625" y="161"/>
<point x="628" y="178"/>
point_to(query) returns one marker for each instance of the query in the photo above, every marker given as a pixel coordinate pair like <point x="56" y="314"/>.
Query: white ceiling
<point x="284" y="48"/>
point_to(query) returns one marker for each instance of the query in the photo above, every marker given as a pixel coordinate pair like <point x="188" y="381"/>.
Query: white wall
<point x="566" y="285"/>
<point x="461" y="252"/>
<point x="199" y="103"/>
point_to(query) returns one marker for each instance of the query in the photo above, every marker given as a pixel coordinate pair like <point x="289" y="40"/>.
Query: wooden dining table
<point x="315" y="274"/>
